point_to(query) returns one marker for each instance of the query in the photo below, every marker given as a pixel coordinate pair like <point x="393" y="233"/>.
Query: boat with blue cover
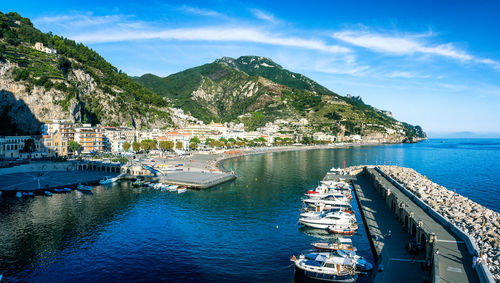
<point x="326" y="267"/>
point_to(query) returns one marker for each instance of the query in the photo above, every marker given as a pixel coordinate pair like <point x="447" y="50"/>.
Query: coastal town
<point x="63" y="138"/>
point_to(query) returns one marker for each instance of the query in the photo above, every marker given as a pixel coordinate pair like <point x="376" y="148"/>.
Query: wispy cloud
<point x="82" y="20"/>
<point x="209" y="34"/>
<point x="407" y="45"/>
<point x="259" y="14"/>
<point x="200" y="11"/>
<point x="406" y="75"/>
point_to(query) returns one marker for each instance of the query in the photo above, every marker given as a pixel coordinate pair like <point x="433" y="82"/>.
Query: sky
<point x="431" y="63"/>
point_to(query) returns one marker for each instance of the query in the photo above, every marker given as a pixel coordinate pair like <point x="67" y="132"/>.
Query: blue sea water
<point x="242" y="231"/>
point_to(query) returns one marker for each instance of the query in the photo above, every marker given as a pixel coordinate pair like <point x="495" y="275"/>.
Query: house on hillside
<point x="39" y="46"/>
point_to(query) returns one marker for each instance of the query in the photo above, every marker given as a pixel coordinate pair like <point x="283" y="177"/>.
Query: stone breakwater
<point x="459" y="210"/>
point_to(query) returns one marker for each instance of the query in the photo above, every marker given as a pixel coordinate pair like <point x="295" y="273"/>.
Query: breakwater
<point x="463" y="215"/>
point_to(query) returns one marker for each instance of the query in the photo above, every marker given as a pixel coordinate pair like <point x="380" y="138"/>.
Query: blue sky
<point x="432" y="63"/>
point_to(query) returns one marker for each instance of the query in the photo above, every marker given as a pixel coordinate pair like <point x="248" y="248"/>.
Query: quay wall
<point x="482" y="270"/>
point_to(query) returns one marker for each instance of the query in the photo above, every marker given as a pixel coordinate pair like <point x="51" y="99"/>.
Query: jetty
<point x="196" y="180"/>
<point x="410" y="240"/>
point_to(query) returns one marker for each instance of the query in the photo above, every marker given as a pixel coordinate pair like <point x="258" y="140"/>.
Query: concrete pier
<point x="197" y="180"/>
<point x="385" y="207"/>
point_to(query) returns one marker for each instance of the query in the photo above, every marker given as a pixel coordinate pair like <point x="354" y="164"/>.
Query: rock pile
<point x="464" y="213"/>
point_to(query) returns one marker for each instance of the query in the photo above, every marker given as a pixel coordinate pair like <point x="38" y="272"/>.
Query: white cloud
<point x="407" y="45"/>
<point x="200" y="12"/>
<point x="406" y="75"/>
<point x="259" y="14"/>
<point x="80" y="20"/>
<point x="209" y="34"/>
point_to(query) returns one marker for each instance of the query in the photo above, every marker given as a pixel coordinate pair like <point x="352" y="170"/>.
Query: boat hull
<point x="299" y="272"/>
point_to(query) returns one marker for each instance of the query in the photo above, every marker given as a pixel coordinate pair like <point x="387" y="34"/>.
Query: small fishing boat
<point x="84" y="188"/>
<point x="338" y="244"/>
<point x="325" y="267"/>
<point x="181" y="190"/>
<point x="59" y="190"/>
<point x="67" y="190"/>
<point x="107" y="180"/>
<point x="47" y="193"/>
<point x="19" y="194"/>
<point x="172" y="188"/>
<point x="343" y="229"/>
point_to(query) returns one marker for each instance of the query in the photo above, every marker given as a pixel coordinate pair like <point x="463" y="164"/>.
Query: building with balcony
<point x="89" y="138"/>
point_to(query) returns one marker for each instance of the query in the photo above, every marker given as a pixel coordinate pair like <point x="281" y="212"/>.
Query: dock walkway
<point x="391" y="251"/>
<point x="197" y="180"/>
<point x="455" y="263"/>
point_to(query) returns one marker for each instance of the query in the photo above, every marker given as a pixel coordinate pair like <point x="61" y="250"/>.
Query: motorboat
<point x="172" y="188"/>
<point x="328" y="202"/>
<point x="337" y="244"/>
<point x="336" y="211"/>
<point x="325" y="220"/>
<point x="59" y="190"/>
<point x="325" y="267"/>
<point x="329" y="195"/>
<point x="137" y="183"/>
<point x="19" y="194"/>
<point x="47" y="193"/>
<point x="28" y="194"/>
<point x="338" y="171"/>
<point x="84" y="188"/>
<point x="67" y="190"/>
<point x="181" y="190"/>
<point x="107" y="180"/>
<point x="343" y="228"/>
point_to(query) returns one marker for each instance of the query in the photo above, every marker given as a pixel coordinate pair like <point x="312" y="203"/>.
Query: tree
<point x="126" y="146"/>
<point x="74" y="146"/>
<point x="29" y="146"/>
<point x="166" y="145"/>
<point x="178" y="145"/>
<point x="136" y="146"/>
<point x="195" y="140"/>
<point x="192" y="146"/>
<point x="64" y="64"/>
<point x="232" y="140"/>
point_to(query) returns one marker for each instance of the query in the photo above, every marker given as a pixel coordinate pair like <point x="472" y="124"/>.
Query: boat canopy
<point x="339" y="260"/>
<point x="312" y="263"/>
<point x="345" y="240"/>
<point x="316" y="256"/>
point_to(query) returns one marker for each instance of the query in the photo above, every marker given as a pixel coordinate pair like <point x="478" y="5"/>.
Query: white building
<point x="39" y="46"/>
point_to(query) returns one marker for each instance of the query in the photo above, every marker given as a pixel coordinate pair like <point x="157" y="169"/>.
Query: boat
<point x="325" y="220"/>
<point x="137" y="183"/>
<point x="47" y="193"/>
<point x="107" y="180"/>
<point x="337" y="244"/>
<point x="59" y="190"/>
<point x="181" y="190"/>
<point x="19" y="194"/>
<point x="172" y="188"/>
<point x="324" y="267"/>
<point x="67" y="190"/>
<point x="0" y="193"/>
<point x="336" y="211"/>
<point x="343" y="229"/>
<point x="328" y="203"/>
<point x="330" y="195"/>
<point x="84" y="188"/>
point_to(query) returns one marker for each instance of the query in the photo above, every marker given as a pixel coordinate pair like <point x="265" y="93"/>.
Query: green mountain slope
<point x="256" y="90"/>
<point x="76" y="83"/>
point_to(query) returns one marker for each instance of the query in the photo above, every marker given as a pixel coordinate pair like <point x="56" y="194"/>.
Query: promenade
<point x="391" y="251"/>
<point x="455" y="263"/>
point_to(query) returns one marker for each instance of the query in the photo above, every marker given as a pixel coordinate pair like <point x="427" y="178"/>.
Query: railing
<point x="482" y="270"/>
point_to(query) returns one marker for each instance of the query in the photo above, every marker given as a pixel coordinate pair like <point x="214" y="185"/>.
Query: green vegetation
<point x="126" y="146"/>
<point x="136" y="146"/>
<point x="37" y="68"/>
<point x="74" y="146"/>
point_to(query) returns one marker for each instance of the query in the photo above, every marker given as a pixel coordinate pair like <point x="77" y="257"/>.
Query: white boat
<point x="325" y="220"/>
<point x="337" y="244"/>
<point x="326" y="267"/>
<point x="107" y="180"/>
<point x="329" y="195"/>
<point x="181" y="190"/>
<point x="338" y="212"/>
<point x="328" y="203"/>
<point x="84" y="188"/>
<point x="19" y="194"/>
<point x="343" y="228"/>
<point x="47" y="193"/>
<point x="172" y="188"/>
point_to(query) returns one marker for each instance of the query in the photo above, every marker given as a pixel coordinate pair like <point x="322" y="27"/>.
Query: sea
<point x="243" y="231"/>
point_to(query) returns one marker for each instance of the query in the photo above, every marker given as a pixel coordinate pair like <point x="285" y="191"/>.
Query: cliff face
<point x="45" y="76"/>
<point x="27" y="105"/>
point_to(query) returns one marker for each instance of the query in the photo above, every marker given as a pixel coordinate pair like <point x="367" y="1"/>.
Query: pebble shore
<point x="461" y="211"/>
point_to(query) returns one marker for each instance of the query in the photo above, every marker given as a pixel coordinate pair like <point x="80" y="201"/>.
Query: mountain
<point x="255" y="90"/>
<point x="45" y="76"/>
